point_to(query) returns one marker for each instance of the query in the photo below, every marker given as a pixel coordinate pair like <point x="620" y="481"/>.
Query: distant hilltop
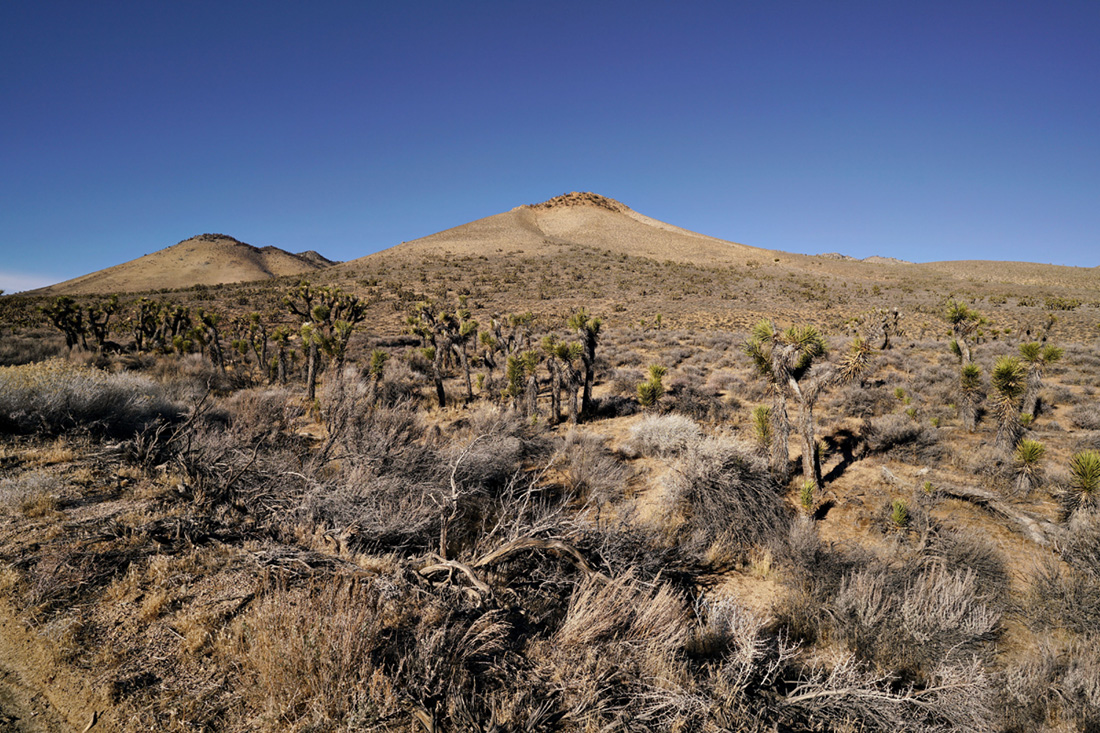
<point x="873" y="259"/>
<point x="205" y="259"/>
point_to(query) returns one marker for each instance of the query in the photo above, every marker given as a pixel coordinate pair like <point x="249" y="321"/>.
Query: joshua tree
<point x="210" y="321"/>
<point x="970" y="395"/>
<point x="428" y="323"/>
<point x="530" y="360"/>
<point x="311" y="350"/>
<point x="964" y="321"/>
<point x="570" y="355"/>
<point x="489" y="349"/>
<point x="329" y="319"/>
<point x="66" y="315"/>
<point x="515" y="377"/>
<point x="550" y="345"/>
<point x="787" y="360"/>
<point x="588" y="329"/>
<point x="462" y="330"/>
<point x="1037" y="357"/>
<point x="281" y="336"/>
<point x="375" y="372"/>
<point x="1009" y="381"/>
<point x="99" y="317"/>
<point x="888" y="324"/>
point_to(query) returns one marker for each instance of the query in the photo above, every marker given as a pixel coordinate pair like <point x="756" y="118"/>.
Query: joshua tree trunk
<point x="1031" y="395"/>
<point x="555" y="392"/>
<point x="464" y="362"/>
<point x="779" y="459"/>
<point x="312" y="358"/>
<point x="968" y="412"/>
<point x="1008" y="432"/>
<point x="811" y="466"/>
<point x="532" y="404"/>
<point x="571" y="397"/>
<point x="437" y="376"/>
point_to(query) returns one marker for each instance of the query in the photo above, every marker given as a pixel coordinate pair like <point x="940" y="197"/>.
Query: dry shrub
<point x="28" y="347"/>
<point x="726" y="495"/>
<point x="699" y="404"/>
<point x="590" y="471"/>
<point x="902" y="437"/>
<point x="29" y="491"/>
<point x="1054" y="685"/>
<point x="619" y="640"/>
<point x="56" y="396"/>
<point x="624" y="382"/>
<point x="856" y="400"/>
<point x="664" y="435"/>
<point x="489" y="447"/>
<point x="1066" y="594"/>
<point x="1086" y="416"/>
<point x="912" y="623"/>
<point x="624" y="609"/>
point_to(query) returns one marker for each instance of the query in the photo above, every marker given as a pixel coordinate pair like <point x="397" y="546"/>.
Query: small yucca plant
<point x="1028" y="471"/>
<point x="652" y="390"/>
<point x="899" y="514"/>
<point x="762" y="426"/>
<point x="1084" y="483"/>
<point x="806" y="496"/>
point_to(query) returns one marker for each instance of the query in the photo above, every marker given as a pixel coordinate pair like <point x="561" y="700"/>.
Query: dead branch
<point x="449" y="566"/>
<point x="556" y="547"/>
<point x="1036" y="529"/>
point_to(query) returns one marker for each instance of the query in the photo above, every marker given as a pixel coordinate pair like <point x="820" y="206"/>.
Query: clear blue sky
<point x="920" y="130"/>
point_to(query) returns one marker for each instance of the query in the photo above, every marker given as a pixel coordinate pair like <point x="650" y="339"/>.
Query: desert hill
<point x="206" y="259"/>
<point x="572" y="219"/>
<point x="576" y="220"/>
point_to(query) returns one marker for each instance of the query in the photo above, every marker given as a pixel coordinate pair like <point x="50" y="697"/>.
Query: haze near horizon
<point x="931" y="132"/>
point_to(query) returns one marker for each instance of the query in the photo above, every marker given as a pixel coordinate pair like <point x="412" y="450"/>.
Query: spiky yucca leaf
<point x="970" y="379"/>
<point x="1031" y="351"/>
<point x="1028" y="454"/>
<point x="762" y="425"/>
<point x="959" y="313"/>
<point x="1052" y="354"/>
<point x="855" y="360"/>
<point x="1009" y="379"/>
<point x="763" y="331"/>
<point x="1084" y="470"/>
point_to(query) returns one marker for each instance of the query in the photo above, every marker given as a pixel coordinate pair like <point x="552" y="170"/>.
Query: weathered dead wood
<point x="480" y="587"/>
<point x="92" y="722"/>
<point x="556" y="547"/>
<point x="1038" y="530"/>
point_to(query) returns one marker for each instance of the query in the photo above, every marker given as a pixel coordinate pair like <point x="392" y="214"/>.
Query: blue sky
<point x="920" y="130"/>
